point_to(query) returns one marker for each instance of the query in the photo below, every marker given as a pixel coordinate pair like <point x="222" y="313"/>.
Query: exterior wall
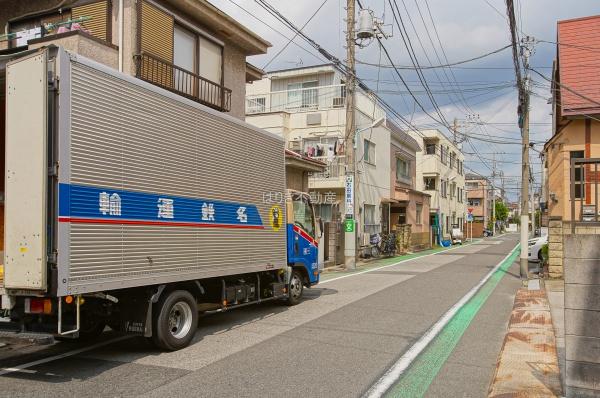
<point x="234" y="59"/>
<point x="431" y="165"/>
<point x="572" y="138"/>
<point x="296" y="179"/>
<point x="582" y="315"/>
<point x="85" y="45"/>
<point x="234" y="72"/>
<point x="483" y="211"/>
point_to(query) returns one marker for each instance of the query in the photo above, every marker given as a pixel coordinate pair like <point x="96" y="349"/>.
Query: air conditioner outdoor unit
<point x="294" y="146"/>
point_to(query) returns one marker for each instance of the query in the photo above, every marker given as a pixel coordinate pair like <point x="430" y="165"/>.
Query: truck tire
<point x="296" y="288"/>
<point x="175" y="320"/>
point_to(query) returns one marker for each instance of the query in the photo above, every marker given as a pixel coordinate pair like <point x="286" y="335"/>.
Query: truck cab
<point x="303" y="234"/>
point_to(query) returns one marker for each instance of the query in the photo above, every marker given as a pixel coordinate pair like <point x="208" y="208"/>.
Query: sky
<point x="480" y="94"/>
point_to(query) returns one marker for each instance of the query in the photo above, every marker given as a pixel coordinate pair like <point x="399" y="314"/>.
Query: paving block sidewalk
<point x="528" y="362"/>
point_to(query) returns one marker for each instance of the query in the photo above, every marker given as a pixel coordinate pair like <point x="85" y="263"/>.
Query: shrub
<point x="544" y="251"/>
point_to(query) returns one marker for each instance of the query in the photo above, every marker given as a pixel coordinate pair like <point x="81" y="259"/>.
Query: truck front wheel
<point x="296" y="288"/>
<point x="175" y="320"/>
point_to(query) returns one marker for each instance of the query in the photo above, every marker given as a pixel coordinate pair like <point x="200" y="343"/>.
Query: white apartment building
<point x="440" y="173"/>
<point x="307" y="107"/>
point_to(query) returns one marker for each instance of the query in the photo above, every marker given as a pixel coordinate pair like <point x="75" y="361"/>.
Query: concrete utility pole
<point x="493" y="194"/>
<point x="526" y="49"/>
<point x="454" y="128"/>
<point x="351" y="175"/>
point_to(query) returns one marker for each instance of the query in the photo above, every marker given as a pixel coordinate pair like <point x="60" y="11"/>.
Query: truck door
<point x="303" y="235"/>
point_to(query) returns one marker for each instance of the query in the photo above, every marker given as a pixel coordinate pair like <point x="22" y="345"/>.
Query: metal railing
<point x="584" y="191"/>
<point x="183" y="82"/>
<point x="295" y="100"/>
<point x="334" y="169"/>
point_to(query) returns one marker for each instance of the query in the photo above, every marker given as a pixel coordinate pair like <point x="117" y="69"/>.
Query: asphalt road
<point x="336" y="343"/>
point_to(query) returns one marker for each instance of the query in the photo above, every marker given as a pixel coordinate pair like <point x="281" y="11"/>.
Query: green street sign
<point x="349" y="225"/>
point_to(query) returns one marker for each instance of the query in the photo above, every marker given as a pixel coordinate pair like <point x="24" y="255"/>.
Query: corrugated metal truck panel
<point x="135" y="142"/>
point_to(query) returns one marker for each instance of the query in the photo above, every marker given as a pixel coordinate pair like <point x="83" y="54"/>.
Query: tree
<point x="501" y="211"/>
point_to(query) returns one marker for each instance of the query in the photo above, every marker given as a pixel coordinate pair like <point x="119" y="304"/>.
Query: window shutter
<point x="98" y="14"/>
<point x="156" y="34"/>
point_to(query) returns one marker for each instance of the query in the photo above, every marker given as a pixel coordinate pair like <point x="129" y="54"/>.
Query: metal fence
<point x="584" y="191"/>
<point x="335" y="168"/>
<point x="183" y="82"/>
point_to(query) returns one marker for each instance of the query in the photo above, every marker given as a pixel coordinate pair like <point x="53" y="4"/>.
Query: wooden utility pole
<point x="350" y="243"/>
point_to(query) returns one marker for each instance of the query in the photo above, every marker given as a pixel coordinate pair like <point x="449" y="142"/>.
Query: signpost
<point x="470" y="222"/>
<point x="349" y="225"/>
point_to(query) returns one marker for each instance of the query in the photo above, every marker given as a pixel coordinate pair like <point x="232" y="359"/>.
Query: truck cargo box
<point x="124" y="184"/>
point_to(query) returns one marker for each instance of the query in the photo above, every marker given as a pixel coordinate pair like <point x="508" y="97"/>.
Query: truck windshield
<point x="303" y="214"/>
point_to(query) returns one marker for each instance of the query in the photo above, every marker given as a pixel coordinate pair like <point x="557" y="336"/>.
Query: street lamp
<point x="376" y="123"/>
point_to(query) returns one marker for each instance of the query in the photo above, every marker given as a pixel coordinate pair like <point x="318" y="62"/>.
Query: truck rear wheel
<point x="296" y="288"/>
<point x="175" y="320"/>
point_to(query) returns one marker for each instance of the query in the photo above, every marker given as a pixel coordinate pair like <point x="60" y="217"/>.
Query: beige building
<point x="440" y="173"/>
<point x="187" y="46"/>
<point x="479" y="199"/>
<point x="307" y="106"/>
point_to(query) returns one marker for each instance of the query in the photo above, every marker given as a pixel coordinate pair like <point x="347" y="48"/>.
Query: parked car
<point x="535" y="246"/>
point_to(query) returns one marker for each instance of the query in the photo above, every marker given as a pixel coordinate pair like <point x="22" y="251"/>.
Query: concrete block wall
<point x="555" y="248"/>
<point x="582" y="314"/>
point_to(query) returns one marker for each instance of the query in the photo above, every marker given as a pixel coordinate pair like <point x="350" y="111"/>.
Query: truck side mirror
<point x="321" y="228"/>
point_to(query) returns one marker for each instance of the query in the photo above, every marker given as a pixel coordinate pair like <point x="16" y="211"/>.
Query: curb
<point x="528" y="362"/>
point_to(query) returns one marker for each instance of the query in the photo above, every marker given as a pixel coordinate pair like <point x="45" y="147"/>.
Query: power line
<point x="392" y="65"/>
<point x="295" y="35"/>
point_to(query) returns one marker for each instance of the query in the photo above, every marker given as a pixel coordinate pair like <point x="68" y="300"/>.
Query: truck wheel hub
<point x="180" y="320"/>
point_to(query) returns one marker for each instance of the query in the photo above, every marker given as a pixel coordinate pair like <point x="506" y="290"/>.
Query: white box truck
<point x="129" y="206"/>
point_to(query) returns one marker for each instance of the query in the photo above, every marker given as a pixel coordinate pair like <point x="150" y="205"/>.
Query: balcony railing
<point x="183" y="82"/>
<point x="297" y="100"/>
<point x="334" y="169"/>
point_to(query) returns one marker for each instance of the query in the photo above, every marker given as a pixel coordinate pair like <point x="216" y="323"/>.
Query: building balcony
<point x="166" y="75"/>
<point x="332" y="177"/>
<point x="297" y="100"/>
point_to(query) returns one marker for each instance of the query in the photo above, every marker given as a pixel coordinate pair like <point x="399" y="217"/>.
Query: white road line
<point x="393" y="374"/>
<point x="21" y="368"/>
<point x="391" y="265"/>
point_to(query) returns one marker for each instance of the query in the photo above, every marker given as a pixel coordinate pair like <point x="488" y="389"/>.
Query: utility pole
<point x="454" y="128"/>
<point x="493" y="194"/>
<point x="351" y="175"/>
<point x="526" y="49"/>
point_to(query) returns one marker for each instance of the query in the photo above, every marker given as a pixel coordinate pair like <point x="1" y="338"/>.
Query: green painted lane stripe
<point x="418" y="377"/>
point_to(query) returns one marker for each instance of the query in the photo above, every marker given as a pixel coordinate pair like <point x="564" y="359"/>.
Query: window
<point x="460" y="195"/>
<point x="402" y="215"/>
<point x="302" y="95"/>
<point x="429" y="183"/>
<point x="255" y="105"/>
<point x="474" y="202"/>
<point x="444" y="188"/>
<point x="371" y="224"/>
<point x="430" y="148"/>
<point x="210" y="59"/>
<point x="324" y="211"/>
<point x="402" y="169"/>
<point x="303" y="215"/>
<point x="443" y="154"/>
<point x="452" y="159"/>
<point x="579" y="175"/>
<point x="471" y="185"/>
<point x="198" y="55"/>
<point x="369" y="152"/>
<point x="452" y="190"/>
<point x="419" y="215"/>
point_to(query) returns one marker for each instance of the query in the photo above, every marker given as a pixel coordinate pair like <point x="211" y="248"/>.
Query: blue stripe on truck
<point x="82" y="203"/>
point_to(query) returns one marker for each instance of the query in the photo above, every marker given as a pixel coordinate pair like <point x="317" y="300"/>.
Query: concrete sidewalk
<point x="528" y="362"/>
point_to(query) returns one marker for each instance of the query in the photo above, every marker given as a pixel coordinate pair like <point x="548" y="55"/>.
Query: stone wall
<point x="582" y="314"/>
